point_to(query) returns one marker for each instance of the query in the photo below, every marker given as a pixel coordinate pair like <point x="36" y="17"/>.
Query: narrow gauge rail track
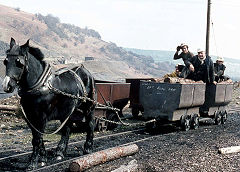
<point x="18" y="162"/>
<point x="28" y="150"/>
<point x="63" y="165"/>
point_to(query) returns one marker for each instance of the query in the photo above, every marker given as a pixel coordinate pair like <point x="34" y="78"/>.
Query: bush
<point x="64" y="45"/>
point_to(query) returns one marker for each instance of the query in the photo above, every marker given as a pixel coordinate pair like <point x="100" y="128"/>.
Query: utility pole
<point x="208" y="27"/>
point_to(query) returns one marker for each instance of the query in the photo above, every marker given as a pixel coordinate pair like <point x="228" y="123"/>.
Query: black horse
<point x="49" y="96"/>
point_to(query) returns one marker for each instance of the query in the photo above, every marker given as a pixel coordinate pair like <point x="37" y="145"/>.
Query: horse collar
<point x="38" y="87"/>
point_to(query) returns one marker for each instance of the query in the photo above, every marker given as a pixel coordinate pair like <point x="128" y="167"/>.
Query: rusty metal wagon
<point x="111" y="95"/>
<point x="114" y="95"/>
<point x="185" y="104"/>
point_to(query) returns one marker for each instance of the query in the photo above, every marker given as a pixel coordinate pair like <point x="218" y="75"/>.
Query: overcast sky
<point x="149" y="24"/>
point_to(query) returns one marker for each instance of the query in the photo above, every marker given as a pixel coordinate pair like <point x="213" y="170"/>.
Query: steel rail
<point x="72" y="159"/>
<point x="73" y="143"/>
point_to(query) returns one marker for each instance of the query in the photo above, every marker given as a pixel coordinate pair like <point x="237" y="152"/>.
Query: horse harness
<point x="43" y="86"/>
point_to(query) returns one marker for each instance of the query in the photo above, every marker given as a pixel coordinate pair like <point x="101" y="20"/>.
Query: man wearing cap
<point x="176" y="73"/>
<point x="219" y="69"/>
<point x="185" y="54"/>
<point x="201" y="68"/>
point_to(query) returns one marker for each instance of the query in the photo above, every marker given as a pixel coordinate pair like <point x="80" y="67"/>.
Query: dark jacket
<point x="204" y="72"/>
<point x="185" y="57"/>
<point x="219" y="69"/>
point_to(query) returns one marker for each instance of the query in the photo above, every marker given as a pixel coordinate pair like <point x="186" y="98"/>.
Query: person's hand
<point x="214" y="82"/>
<point x="178" y="48"/>
<point x="191" y="68"/>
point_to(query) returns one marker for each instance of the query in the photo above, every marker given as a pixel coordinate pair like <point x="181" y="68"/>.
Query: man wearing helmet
<point x="219" y="69"/>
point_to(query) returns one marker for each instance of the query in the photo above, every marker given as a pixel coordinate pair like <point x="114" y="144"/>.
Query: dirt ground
<point x="169" y="150"/>
<point x="174" y="150"/>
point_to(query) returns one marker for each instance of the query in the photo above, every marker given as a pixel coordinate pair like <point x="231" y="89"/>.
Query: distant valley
<point x="232" y="65"/>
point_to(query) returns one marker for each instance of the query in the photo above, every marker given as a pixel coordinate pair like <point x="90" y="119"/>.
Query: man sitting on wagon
<point x="201" y="68"/>
<point x="176" y="73"/>
<point x="185" y="55"/>
<point x="219" y="69"/>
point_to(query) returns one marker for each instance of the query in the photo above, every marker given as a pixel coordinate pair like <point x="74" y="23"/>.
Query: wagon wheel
<point x="218" y="117"/>
<point x="195" y="122"/>
<point x="151" y="127"/>
<point x="97" y="125"/>
<point x="185" y="122"/>
<point x="112" y="116"/>
<point x="223" y="117"/>
<point x="100" y="126"/>
<point x="135" y="112"/>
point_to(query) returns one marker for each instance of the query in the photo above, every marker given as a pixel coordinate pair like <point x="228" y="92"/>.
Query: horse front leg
<point x="90" y="129"/>
<point x="38" y="149"/>
<point x="62" y="145"/>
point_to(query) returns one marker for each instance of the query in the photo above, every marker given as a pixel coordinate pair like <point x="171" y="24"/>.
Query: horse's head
<point x="15" y="63"/>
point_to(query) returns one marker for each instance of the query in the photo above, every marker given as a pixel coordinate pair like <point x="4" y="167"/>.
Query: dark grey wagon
<point x="185" y="103"/>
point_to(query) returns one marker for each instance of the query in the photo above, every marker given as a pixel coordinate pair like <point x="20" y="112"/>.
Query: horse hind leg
<point x="90" y="129"/>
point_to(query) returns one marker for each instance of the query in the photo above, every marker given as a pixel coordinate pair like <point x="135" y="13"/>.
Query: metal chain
<point x="127" y="124"/>
<point x="101" y="106"/>
<point x="81" y="98"/>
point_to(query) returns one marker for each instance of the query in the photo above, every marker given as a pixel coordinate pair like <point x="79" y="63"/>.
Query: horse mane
<point x="36" y="52"/>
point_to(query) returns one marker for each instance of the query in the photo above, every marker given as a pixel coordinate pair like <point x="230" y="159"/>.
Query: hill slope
<point x="66" y="43"/>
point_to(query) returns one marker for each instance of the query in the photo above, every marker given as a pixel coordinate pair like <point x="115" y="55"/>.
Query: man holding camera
<point x="185" y="54"/>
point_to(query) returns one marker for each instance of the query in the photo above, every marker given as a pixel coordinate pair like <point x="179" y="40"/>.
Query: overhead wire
<point x="214" y="37"/>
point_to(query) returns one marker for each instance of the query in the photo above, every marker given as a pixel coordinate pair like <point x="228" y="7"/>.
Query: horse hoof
<point x="85" y="152"/>
<point x="59" y="158"/>
<point x="42" y="164"/>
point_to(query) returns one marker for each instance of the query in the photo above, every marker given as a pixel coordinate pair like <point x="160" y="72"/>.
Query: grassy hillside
<point x="61" y="42"/>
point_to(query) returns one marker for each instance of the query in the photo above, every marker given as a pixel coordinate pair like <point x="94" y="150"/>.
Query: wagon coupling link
<point x="127" y="124"/>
